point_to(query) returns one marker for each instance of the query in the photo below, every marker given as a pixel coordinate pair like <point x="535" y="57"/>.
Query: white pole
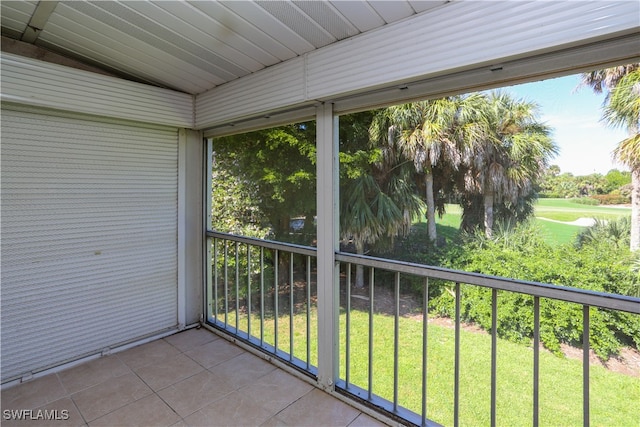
<point x="182" y="227"/>
<point x="327" y="236"/>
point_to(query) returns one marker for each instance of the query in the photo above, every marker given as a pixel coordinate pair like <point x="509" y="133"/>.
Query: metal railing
<point x="398" y="270"/>
<point x="264" y="293"/>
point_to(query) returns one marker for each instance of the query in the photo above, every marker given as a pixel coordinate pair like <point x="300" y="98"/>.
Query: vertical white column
<point x="182" y="227"/>
<point x="328" y="274"/>
<point x="191" y="151"/>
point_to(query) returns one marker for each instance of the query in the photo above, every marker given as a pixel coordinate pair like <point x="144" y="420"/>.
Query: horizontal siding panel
<point x="457" y="36"/>
<point x="77" y="99"/>
<point x="454" y="37"/>
<point x="89" y="236"/>
<point x="32" y="82"/>
<point x="263" y="91"/>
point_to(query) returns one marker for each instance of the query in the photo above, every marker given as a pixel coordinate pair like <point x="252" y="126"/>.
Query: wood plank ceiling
<point x="195" y="46"/>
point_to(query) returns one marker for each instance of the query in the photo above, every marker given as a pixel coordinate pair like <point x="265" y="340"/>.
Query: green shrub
<point x="521" y="253"/>
<point x="615" y="232"/>
<point x="614" y="198"/>
<point x="591" y="201"/>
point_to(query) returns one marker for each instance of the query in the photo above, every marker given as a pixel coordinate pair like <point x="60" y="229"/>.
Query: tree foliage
<point x="488" y="150"/>
<point x="378" y="197"/>
<point x="554" y="184"/>
<point x="279" y="163"/>
<point x="234" y="207"/>
<point x="599" y="265"/>
<point x="428" y="134"/>
<point x="510" y="151"/>
<point x="622" y="108"/>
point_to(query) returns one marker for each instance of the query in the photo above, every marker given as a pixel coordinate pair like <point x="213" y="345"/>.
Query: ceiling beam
<point x="40" y="16"/>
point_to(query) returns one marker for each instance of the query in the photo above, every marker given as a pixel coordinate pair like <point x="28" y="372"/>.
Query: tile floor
<point x="193" y="378"/>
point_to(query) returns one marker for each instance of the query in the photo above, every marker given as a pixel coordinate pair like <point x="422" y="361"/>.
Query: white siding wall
<point x="31" y="82"/>
<point x="460" y="35"/>
<point x="89" y="232"/>
<point x="272" y="88"/>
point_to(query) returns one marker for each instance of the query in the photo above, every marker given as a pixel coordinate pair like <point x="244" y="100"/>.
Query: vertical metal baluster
<point x="536" y="360"/>
<point x="237" y="284"/>
<point x="585" y="365"/>
<point x="215" y="277"/>
<point x="248" y="291"/>
<point x="494" y="352"/>
<point x="456" y="379"/>
<point x="226" y="285"/>
<point x="275" y="299"/>
<point x="370" y="378"/>
<point x="209" y="278"/>
<point x="261" y="297"/>
<point x="396" y="331"/>
<point x="425" y="321"/>
<point x="348" y="329"/>
<point x="308" y="312"/>
<point x="290" y="306"/>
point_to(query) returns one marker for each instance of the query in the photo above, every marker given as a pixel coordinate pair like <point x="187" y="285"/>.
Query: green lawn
<point x="551" y="209"/>
<point x="557" y="233"/>
<point x="565" y="210"/>
<point x="614" y="396"/>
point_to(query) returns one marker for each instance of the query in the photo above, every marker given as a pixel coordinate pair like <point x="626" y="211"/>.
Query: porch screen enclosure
<point x="291" y="274"/>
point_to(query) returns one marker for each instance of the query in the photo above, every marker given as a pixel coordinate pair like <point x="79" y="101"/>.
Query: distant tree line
<point x="612" y="188"/>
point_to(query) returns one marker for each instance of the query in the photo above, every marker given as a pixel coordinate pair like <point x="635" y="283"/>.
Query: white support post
<point x="182" y="242"/>
<point x="191" y="151"/>
<point x="328" y="273"/>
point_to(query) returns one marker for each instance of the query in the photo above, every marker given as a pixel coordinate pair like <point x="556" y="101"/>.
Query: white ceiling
<point x="197" y="45"/>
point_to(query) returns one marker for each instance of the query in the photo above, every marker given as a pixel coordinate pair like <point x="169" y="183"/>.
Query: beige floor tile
<point x="92" y="373"/>
<point x="196" y="392"/>
<point x="365" y="420"/>
<point x="242" y="370"/>
<point x="274" y="422"/>
<point x="215" y="352"/>
<point x="33" y="394"/>
<point x="191" y="338"/>
<point x="61" y="413"/>
<point x="147" y="354"/>
<point x="318" y="408"/>
<point x="149" y="411"/>
<point x="276" y="390"/>
<point x="235" y="409"/>
<point x="168" y="371"/>
<point x="110" y="395"/>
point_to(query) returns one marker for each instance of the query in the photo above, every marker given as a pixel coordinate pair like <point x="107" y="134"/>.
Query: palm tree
<point x="605" y="80"/>
<point x="622" y="108"/>
<point x="376" y="207"/>
<point x="427" y="133"/>
<point x="510" y="152"/>
<point x="378" y="199"/>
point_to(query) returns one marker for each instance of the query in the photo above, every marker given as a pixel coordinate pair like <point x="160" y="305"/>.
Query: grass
<point x="566" y="210"/>
<point x="555" y="209"/>
<point x="613" y="395"/>
<point x="558" y="233"/>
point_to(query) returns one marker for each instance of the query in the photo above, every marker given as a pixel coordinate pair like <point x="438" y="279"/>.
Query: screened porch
<point x="123" y="304"/>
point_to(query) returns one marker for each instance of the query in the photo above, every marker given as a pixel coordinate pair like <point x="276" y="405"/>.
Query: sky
<point x="585" y="142"/>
